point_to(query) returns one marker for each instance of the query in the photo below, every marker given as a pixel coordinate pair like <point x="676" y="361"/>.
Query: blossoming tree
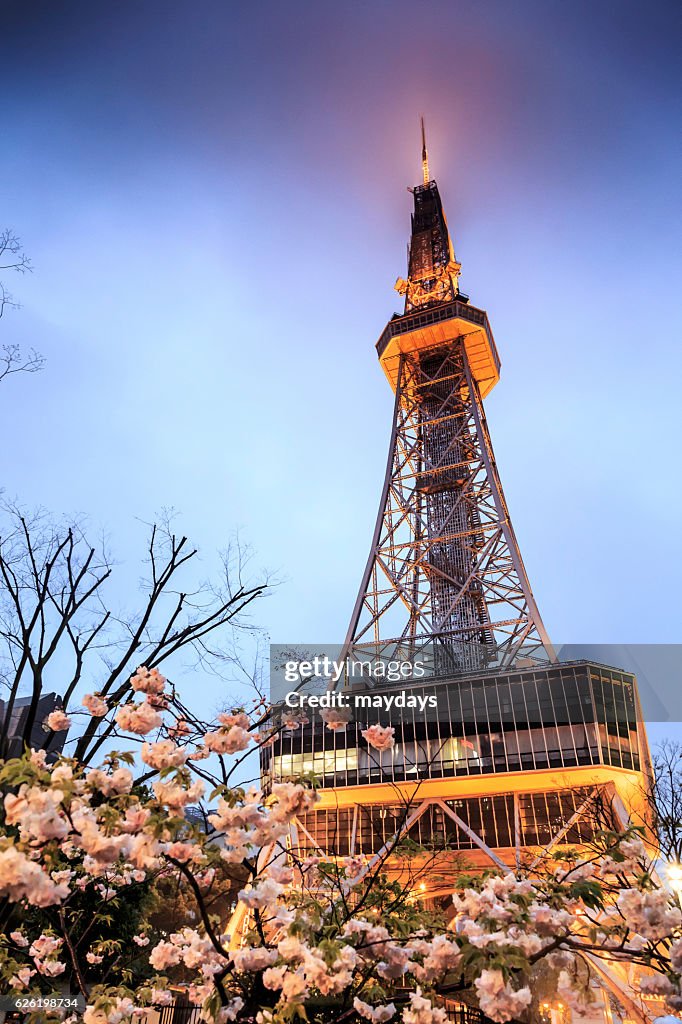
<point x="317" y="939"/>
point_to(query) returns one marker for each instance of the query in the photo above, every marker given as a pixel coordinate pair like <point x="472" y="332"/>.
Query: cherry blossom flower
<point x="21" y="878"/>
<point x="227" y="741"/>
<point x="291" y="721"/>
<point x="57" y="721"/>
<point x="230" y="1012"/>
<point x="253" y="958"/>
<point x="138" y="718"/>
<point x="22" y="978"/>
<point x="261" y="895"/>
<point x="95" y="705"/>
<point x="161" y="997"/>
<point x="118" y="781"/>
<point x="422" y="1011"/>
<point x="649" y="913"/>
<point x="181" y="728"/>
<point x="497" y="999"/>
<point x="237" y="718"/>
<point x="163" y="754"/>
<point x="335" y="718"/>
<point x="380" y="737"/>
<point x="37" y="812"/>
<point x="45" y="945"/>
<point x="175" y="796"/>
<point x="147" y="681"/>
<point x="376" y="1014"/>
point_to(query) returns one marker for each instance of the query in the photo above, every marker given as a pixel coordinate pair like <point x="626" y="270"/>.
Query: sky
<point x="214" y="200"/>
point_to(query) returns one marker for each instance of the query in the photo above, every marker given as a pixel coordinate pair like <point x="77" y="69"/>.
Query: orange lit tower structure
<point x="509" y="760"/>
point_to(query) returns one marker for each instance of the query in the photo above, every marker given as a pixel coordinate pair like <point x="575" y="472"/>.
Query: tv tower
<point x="444" y="568"/>
<point x="509" y="749"/>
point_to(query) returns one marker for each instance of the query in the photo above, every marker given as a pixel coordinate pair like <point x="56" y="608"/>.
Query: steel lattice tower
<point x="517" y="749"/>
<point x="444" y="568"/>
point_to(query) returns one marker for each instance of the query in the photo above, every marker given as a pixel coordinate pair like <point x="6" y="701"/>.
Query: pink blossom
<point x="163" y="754"/>
<point x="261" y="895"/>
<point x="141" y="940"/>
<point x="199" y="754"/>
<point x="253" y="959"/>
<point x="376" y="1014"/>
<point x="136" y="817"/>
<point x="291" y="799"/>
<point x="62" y="773"/>
<point x="265" y="739"/>
<point x="50" y="968"/>
<point x="183" y="852"/>
<point x="294" y="988"/>
<point x="144" y="851"/>
<point x="147" y="680"/>
<point x="161" y="996"/>
<point x="118" y="781"/>
<point x="238" y="718"/>
<point x="37" y="812"/>
<point x="380" y="737"/>
<point x="230" y="1012"/>
<point x="335" y="718"/>
<point x="205" y="878"/>
<point x="273" y="977"/>
<point x="45" y="945"/>
<point x="422" y="1011"/>
<point x="181" y="728"/>
<point x="294" y="720"/>
<point x="19" y="939"/>
<point x="158" y="702"/>
<point x="138" y="718"/>
<point x="94" y="958"/>
<point x="227" y="741"/>
<point x="649" y="913"/>
<point x="21" y="878"/>
<point x="175" y="796"/>
<point x="497" y="999"/>
<point x="22" y="978"/>
<point x="57" y="721"/>
<point x="281" y="873"/>
<point x="164" y="954"/>
<point x="95" y="704"/>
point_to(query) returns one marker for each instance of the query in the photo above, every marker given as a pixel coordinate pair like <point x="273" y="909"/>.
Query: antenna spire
<point x="425" y="156"/>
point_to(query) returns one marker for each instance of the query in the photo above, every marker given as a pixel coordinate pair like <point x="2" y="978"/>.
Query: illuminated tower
<point x="508" y="759"/>
<point x="444" y="568"/>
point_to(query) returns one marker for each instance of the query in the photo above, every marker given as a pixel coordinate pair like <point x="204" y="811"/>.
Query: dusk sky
<point x="214" y="199"/>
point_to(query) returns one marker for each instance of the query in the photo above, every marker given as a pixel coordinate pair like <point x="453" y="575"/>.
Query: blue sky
<point x="215" y="202"/>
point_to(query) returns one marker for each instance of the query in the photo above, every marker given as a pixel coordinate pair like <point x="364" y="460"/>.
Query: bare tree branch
<point x="58" y="633"/>
<point x="13" y="258"/>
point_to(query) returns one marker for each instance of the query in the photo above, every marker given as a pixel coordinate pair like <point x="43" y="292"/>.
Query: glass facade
<point x="365" y="829"/>
<point x="556" y="716"/>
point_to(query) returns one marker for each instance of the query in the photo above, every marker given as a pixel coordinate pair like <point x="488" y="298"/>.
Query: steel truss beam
<point x="419" y="809"/>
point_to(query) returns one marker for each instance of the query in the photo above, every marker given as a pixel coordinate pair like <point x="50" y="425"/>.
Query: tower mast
<point x="425" y="156"/>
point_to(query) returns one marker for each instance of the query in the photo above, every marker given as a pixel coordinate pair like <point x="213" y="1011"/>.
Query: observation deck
<point x="434" y="326"/>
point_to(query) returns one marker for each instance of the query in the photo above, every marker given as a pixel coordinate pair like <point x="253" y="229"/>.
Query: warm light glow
<point x="673" y="872"/>
<point x="422" y="886"/>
